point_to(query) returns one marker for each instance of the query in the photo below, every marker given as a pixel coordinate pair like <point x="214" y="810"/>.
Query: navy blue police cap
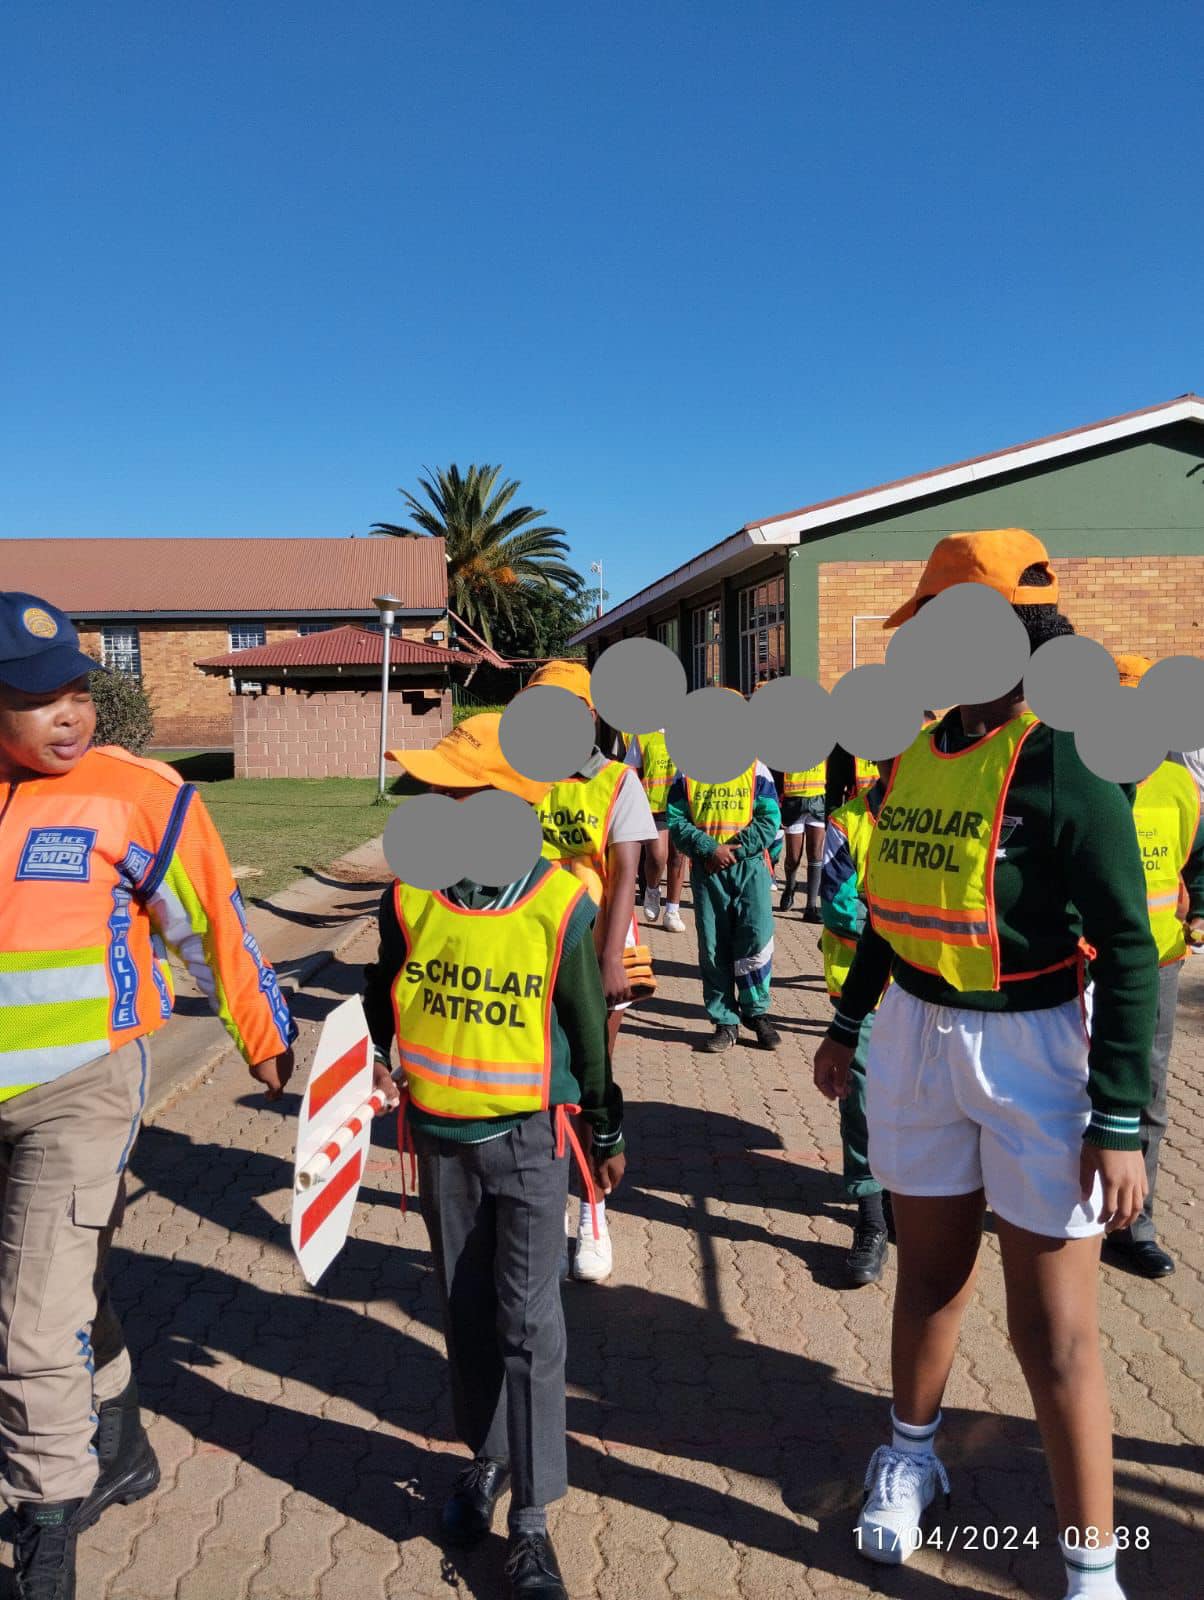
<point x="39" y="647"/>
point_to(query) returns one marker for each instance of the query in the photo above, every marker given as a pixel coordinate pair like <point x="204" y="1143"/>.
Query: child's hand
<point x="608" y="1173"/>
<point x="384" y="1080"/>
<point x="723" y="858"/>
<point x="274" y="1074"/>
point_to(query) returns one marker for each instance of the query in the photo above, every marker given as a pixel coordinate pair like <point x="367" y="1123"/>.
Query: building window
<point x="762" y="633"/>
<point x="306" y="628"/>
<point x="121" y="650"/>
<point x="706" y="646"/>
<point x="666" y="634"/>
<point x="247" y="635"/>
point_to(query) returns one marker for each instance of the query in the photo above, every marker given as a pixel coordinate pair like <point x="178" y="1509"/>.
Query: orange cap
<point x="1132" y="669"/>
<point x="470" y="757"/>
<point x="570" y="675"/>
<point x="995" y="557"/>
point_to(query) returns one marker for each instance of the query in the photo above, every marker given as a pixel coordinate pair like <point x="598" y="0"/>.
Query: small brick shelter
<point x="316" y="711"/>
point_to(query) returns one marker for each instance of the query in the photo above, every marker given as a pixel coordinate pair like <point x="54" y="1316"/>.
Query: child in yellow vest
<point x="597" y="823"/>
<point x="997" y="857"/>
<point x="495" y="1001"/>
<point x="842" y="902"/>
<point x="1171" y="834"/>
<point x="649" y="755"/>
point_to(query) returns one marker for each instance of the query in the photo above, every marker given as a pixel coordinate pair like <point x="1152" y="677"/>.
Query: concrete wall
<point x="332" y="732"/>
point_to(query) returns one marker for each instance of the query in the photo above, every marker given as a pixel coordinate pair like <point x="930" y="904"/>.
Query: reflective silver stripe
<point x="48" y="985"/>
<point x="1163" y="902"/>
<point x="29" y="1067"/>
<point x="746" y="964"/>
<point x="501" y="1080"/>
<point x="908" y="919"/>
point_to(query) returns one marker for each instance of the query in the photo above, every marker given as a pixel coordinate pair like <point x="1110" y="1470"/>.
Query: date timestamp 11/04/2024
<point x="991" y="1537"/>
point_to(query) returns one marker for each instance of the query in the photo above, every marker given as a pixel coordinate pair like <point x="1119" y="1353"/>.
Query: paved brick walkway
<point x="725" y="1392"/>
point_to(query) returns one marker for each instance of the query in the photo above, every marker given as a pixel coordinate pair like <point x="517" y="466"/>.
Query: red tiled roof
<point x="339" y="647"/>
<point x="251" y="577"/>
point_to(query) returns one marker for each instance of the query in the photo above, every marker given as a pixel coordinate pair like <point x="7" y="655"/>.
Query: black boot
<point x="768" y="1036"/>
<point x="44" y="1550"/>
<point x="468" y="1515"/>
<point x="723" y="1038"/>
<point x="129" y="1468"/>
<point x="532" y="1571"/>
<point x="786" y="903"/>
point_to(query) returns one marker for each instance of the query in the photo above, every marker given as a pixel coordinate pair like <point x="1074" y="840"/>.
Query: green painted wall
<point x="1145" y="497"/>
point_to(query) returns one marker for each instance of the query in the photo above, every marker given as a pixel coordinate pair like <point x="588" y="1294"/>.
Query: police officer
<point x="105" y="861"/>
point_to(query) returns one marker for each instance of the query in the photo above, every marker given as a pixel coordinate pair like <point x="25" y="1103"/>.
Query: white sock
<point x="671" y="905"/>
<point x="913" y="1440"/>
<point x="585" y="1226"/>
<point x="1090" y="1574"/>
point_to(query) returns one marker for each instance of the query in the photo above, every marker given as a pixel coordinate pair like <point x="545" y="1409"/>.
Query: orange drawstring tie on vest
<point x="564" y="1130"/>
<point x="405" y="1146"/>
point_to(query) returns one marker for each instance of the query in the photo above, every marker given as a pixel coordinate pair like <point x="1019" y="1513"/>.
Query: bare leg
<point x="938" y="1239"/>
<point x="1052" y="1289"/>
<point x="677" y="876"/>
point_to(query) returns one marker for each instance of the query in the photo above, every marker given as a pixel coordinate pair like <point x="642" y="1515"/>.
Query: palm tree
<point x="494" y="557"/>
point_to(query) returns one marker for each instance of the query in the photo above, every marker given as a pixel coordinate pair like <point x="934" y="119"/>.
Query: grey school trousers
<point x="495" y="1215"/>
<point x="63" y="1152"/>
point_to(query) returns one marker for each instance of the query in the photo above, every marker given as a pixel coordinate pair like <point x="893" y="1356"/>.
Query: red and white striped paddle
<point x="334" y="1130"/>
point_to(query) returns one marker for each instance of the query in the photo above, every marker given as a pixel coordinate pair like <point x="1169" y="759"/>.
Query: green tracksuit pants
<point x="854" y="1134"/>
<point x="733" y="915"/>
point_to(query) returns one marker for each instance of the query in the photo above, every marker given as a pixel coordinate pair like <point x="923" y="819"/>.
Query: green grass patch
<point x="282" y="827"/>
<point x="460" y="712"/>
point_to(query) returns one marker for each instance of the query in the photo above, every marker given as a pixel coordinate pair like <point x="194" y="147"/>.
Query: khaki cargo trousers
<point x="63" y="1153"/>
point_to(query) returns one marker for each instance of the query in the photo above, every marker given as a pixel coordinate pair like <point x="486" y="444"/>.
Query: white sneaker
<point x="594" y="1260"/>
<point x="652" y="904"/>
<point x="673" y="922"/>
<point x="899" y="1489"/>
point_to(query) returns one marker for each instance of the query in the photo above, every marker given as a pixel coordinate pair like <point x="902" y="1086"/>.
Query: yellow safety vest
<point x="855" y="822"/>
<point x="805" y="785"/>
<point x="575" y="816"/>
<point x="1167" y="814"/>
<point x="865" y="774"/>
<point x="722" y="809"/>
<point x="473" y="1002"/>
<point x="657" y="768"/>
<point x="930" y="877"/>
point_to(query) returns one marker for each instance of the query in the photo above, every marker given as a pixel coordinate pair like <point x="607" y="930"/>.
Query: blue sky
<point x="676" y="266"/>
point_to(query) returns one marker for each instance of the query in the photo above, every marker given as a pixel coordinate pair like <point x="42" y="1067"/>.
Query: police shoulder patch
<point x="56" y="855"/>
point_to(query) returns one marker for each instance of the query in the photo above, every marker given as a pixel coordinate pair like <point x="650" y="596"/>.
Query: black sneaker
<point x="786" y="903"/>
<point x="44" y="1550"/>
<point x="532" y="1571"/>
<point x="867" y="1258"/>
<point x="129" y="1468"/>
<point x="768" y="1036"/>
<point x="468" y="1515"/>
<point x="813" y="914"/>
<point x="723" y="1038"/>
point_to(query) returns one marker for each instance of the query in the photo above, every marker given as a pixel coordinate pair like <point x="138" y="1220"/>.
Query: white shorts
<point x="962" y="1100"/>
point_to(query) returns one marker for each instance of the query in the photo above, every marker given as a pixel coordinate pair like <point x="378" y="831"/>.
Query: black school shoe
<point x="44" y="1550"/>
<point x="1144" y="1256"/>
<point x="532" y="1571"/>
<point x="129" y="1468"/>
<point x="723" y="1038"/>
<point x="867" y="1258"/>
<point x="768" y="1036"/>
<point x="468" y="1515"/>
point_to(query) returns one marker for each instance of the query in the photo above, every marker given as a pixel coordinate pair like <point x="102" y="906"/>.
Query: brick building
<point x="315" y="709"/>
<point x="1119" y="504"/>
<point x="157" y="606"/>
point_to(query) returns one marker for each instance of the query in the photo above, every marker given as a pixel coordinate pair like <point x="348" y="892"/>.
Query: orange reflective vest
<point x="1166" y="813"/>
<point x="930" y="878"/>
<point x="473" y="1002"/>
<point x="101" y="870"/>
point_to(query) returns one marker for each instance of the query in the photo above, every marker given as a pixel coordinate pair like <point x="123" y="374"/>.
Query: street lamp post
<point x="387" y="605"/>
<point x="596" y="566"/>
